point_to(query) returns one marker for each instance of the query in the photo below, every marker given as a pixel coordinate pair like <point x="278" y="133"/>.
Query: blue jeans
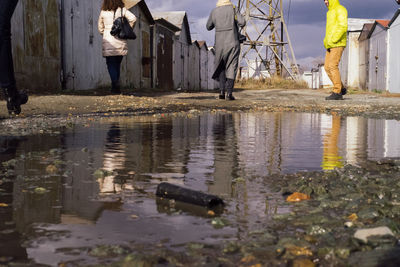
<point x="114" y="68"/>
<point x="7" y="77"/>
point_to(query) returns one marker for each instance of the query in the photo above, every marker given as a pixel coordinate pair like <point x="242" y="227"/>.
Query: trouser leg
<point x="230" y="83"/>
<point x="332" y="60"/>
<point x="114" y="69"/>
<point x="7" y="77"/>
<point x="222" y="81"/>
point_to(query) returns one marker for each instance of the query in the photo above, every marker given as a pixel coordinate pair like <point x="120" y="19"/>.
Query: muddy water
<point x="66" y="191"/>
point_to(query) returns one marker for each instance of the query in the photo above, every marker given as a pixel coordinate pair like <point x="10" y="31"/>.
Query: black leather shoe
<point x="334" y="96"/>
<point x="231" y="97"/>
<point x="221" y="96"/>
<point x="343" y="91"/>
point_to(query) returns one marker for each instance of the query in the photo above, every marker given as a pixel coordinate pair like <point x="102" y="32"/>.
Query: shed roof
<point x="365" y="31"/>
<point x="166" y="24"/>
<point x="142" y="4"/>
<point x="396" y="15"/>
<point x="382" y="23"/>
<point x="202" y="43"/>
<point x="356" y="25"/>
<point x="178" y="18"/>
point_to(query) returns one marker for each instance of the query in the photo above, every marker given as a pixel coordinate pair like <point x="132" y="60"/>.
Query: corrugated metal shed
<point x="57" y="45"/>
<point x="394" y="54"/>
<point x="363" y="41"/>
<point x="163" y="40"/>
<point x="182" y="44"/>
<point x="378" y="56"/>
<point x="350" y="59"/>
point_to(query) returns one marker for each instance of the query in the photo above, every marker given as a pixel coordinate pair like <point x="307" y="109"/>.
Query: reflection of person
<point x="335" y="41"/>
<point x="113" y="48"/>
<point x="226" y="20"/>
<point x="331" y="158"/>
<point x="10" y="239"/>
<point x="7" y="78"/>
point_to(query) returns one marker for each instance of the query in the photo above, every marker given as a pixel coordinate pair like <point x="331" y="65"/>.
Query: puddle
<point x="95" y="184"/>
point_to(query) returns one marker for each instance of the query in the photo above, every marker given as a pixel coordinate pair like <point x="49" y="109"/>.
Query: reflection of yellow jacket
<point x="336" y="25"/>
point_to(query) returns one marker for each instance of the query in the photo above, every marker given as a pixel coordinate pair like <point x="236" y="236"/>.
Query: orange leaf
<point x="353" y="217"/>
<point x="297" y="197"/>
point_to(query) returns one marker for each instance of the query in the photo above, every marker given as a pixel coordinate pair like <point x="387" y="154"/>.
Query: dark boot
<point x="230" y="83"/>
<point x="115" y="88"/>
<point x="343" y="91"/>
<point x="334" y="96"/>
<point x="221" y="95"/>
<point x="15" y="99"/>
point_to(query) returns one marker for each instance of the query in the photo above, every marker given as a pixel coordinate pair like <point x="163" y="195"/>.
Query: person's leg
<point x="113" y="70"/>
<point x="222" y="82"/>
<point x="118" y="60"/>
<point x="230" y="83"/>
<point x="335" y="60"/>
<point x="332" y="60"/>
<point x="7" y="78"/>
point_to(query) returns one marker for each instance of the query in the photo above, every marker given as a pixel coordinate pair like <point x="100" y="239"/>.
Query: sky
<point x="306" y="20"/>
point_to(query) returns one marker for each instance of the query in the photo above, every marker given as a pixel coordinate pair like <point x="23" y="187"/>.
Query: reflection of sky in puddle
<point x="205" y="152"/>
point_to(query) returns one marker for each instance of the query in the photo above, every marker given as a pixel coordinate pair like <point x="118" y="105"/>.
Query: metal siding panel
<point x="353" y="79"/>
<point x="211" y="59"/>
<point x="394" y="59"/>
<point x="164" y="58"/>
<point x="377" y="69"/>
<point x="203" y="68"/>
<point x="363" y="65"/>
<point x="36" y="45"/>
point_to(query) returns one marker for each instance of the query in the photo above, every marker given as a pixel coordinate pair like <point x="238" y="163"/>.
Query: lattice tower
<point x="268" y="40"/>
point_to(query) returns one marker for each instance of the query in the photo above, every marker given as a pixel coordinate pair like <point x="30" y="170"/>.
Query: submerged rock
<point x="364" y="234"/>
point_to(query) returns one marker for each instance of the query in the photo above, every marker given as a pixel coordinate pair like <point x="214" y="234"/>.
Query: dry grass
<point x="271" y="83"/>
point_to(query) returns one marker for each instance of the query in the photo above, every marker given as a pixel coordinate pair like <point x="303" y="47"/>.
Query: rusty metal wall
<point x="164" y="44"/>
<point x="36" y="45"/>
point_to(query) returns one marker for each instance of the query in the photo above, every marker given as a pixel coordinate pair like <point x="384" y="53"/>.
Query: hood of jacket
<point x="224" y="3"/>
<point x="333" y="4"/>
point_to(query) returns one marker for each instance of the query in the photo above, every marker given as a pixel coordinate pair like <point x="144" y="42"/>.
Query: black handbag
<point x="122" y="29"/>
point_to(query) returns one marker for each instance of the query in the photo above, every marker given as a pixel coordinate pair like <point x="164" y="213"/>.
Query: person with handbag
<point x="14" y="97"/>
<point x="114" y="48"/>
<point x="226" y="21"/>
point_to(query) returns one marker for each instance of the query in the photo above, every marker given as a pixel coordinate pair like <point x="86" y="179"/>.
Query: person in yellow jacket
<point x="335" y="42"/>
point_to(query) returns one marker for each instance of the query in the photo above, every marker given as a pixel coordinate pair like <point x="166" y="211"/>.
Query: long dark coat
<point x="227" y="46"/>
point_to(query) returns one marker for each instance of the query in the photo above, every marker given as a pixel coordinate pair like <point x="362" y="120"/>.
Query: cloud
<point x="306" y="19"/>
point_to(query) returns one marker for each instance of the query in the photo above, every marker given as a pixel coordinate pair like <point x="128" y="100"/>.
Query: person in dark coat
<point x="226" y="21"/>
<point x="7" y="78"/>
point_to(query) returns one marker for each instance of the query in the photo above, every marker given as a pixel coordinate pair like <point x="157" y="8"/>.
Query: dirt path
<point x="371" y="105"/>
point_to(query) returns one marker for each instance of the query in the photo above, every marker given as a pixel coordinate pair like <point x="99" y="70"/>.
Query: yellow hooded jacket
<point x="336" y="25"/>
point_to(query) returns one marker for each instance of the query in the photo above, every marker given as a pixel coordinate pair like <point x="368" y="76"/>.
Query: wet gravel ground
<point x="320" y="231"/>
<point x="360" y="104"/>
<point x="67" y="109"/>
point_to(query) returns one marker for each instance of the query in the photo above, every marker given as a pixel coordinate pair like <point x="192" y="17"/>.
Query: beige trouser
<point x="332" y="60"/>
